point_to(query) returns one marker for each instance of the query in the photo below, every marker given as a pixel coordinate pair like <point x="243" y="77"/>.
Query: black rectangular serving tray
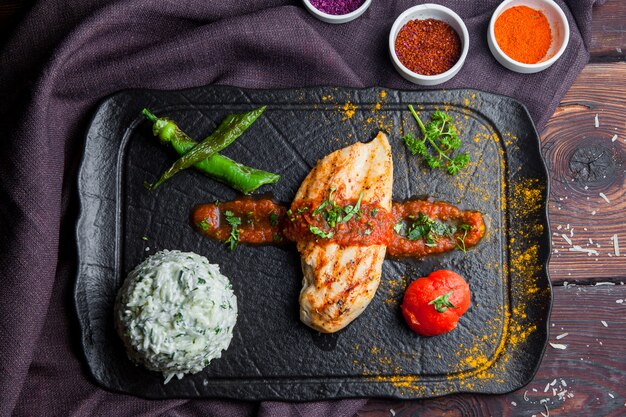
<point x="498" y="344"/>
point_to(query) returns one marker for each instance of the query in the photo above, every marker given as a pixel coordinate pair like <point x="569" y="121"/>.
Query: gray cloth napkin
<point x="66" y="56"/>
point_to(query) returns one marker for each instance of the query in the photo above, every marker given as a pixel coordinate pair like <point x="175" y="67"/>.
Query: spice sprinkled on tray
<point x="523" y="34"/>
<point x="428" y="47"/>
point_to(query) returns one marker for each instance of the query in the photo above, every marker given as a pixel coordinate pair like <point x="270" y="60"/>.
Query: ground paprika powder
<point x="523" y="34"/>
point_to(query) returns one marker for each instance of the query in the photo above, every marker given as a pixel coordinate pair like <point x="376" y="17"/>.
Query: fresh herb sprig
<point x="439" y="140"/>
<point x="442" y="303"/>
<point x="234" y="221"/>
<point x="465" y="228"/>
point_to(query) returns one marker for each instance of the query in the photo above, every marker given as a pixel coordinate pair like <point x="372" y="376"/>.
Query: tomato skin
<point x="422" y="317"/>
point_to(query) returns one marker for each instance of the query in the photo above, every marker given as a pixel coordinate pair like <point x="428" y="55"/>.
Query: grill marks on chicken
<point x="340" y="281"/>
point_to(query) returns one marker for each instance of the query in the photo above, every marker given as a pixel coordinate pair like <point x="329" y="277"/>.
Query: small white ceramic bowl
<point x="558" y="26"/>
<point x="336" y="18"/>
<point x="421" y="12"/>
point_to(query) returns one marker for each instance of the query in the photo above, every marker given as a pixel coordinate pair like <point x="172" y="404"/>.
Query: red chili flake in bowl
<point x="428" y="47"/>
<point x="337" y="7"/>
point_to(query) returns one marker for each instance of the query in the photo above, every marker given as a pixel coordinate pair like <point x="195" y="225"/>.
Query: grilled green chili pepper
<point x="219" y="167"/>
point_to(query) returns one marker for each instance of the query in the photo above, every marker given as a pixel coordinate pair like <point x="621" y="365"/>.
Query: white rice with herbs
<point x="176" y="312"/>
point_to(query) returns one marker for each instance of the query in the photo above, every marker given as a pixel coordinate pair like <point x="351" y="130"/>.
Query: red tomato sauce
<point x="260" y="220"/>
<point x="402" y="246"/>
<point x="266" y="222"/>
<point x="371" y="226"/>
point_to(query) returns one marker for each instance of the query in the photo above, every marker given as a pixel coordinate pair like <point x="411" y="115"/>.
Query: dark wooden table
<point x="586" y="160"/>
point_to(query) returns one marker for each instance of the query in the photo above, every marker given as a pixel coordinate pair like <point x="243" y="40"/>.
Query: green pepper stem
<point x="149" y="115"/>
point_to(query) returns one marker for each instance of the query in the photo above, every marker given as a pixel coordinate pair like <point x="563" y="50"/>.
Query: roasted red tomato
<point x="433" y="305"/>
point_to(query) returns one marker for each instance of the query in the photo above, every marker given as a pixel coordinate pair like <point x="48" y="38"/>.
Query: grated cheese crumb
<point x="589" y="252"/>
<point x="615" y="240"/>
<point x="547" y="385"/>
<point x="620" y="301"/>
<point x="604" y="323"/>
<point x="561" y="336"/>
<point x="611" y="395"/>
<point x="593" y="213"/>
<point x="392" y="411"/>
<point x="513" y="403"/>
<point x="605" y="198"/>
<point x="596" y="121"/>
<point x="614" y="138"/>
<point x="567" y="239"/>
<point x="557" y="346"/>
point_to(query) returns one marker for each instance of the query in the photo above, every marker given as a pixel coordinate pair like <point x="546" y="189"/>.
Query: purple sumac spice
<point x="337" y="7"/>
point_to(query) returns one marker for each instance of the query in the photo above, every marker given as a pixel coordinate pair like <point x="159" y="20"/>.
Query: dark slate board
<point x="272" y="354"/>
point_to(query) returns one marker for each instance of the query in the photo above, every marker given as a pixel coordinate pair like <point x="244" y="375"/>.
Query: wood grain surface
<point x="608" y="32"/>
<point x="584" y="161"/>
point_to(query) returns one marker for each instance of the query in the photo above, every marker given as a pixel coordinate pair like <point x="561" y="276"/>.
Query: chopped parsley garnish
<point x="234" y="221"/>
<point x="350" y="210"/>
<point x="274" y="219"/>
<point x="425" y="228"/>
<point x="442" y="303"/>
<point x="203" y="225"/>
<point x="302" y="210"/>
<point x="145" y="238"/>
<point x="201" y="281"/>
<point x="335" y="214"/>
<point x="319" y="232"/>
<point x="440" y="139"/>
<point x="374" y="212"/>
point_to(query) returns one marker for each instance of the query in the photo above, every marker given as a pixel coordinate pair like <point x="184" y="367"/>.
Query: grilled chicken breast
<point x="340" y="281"/>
